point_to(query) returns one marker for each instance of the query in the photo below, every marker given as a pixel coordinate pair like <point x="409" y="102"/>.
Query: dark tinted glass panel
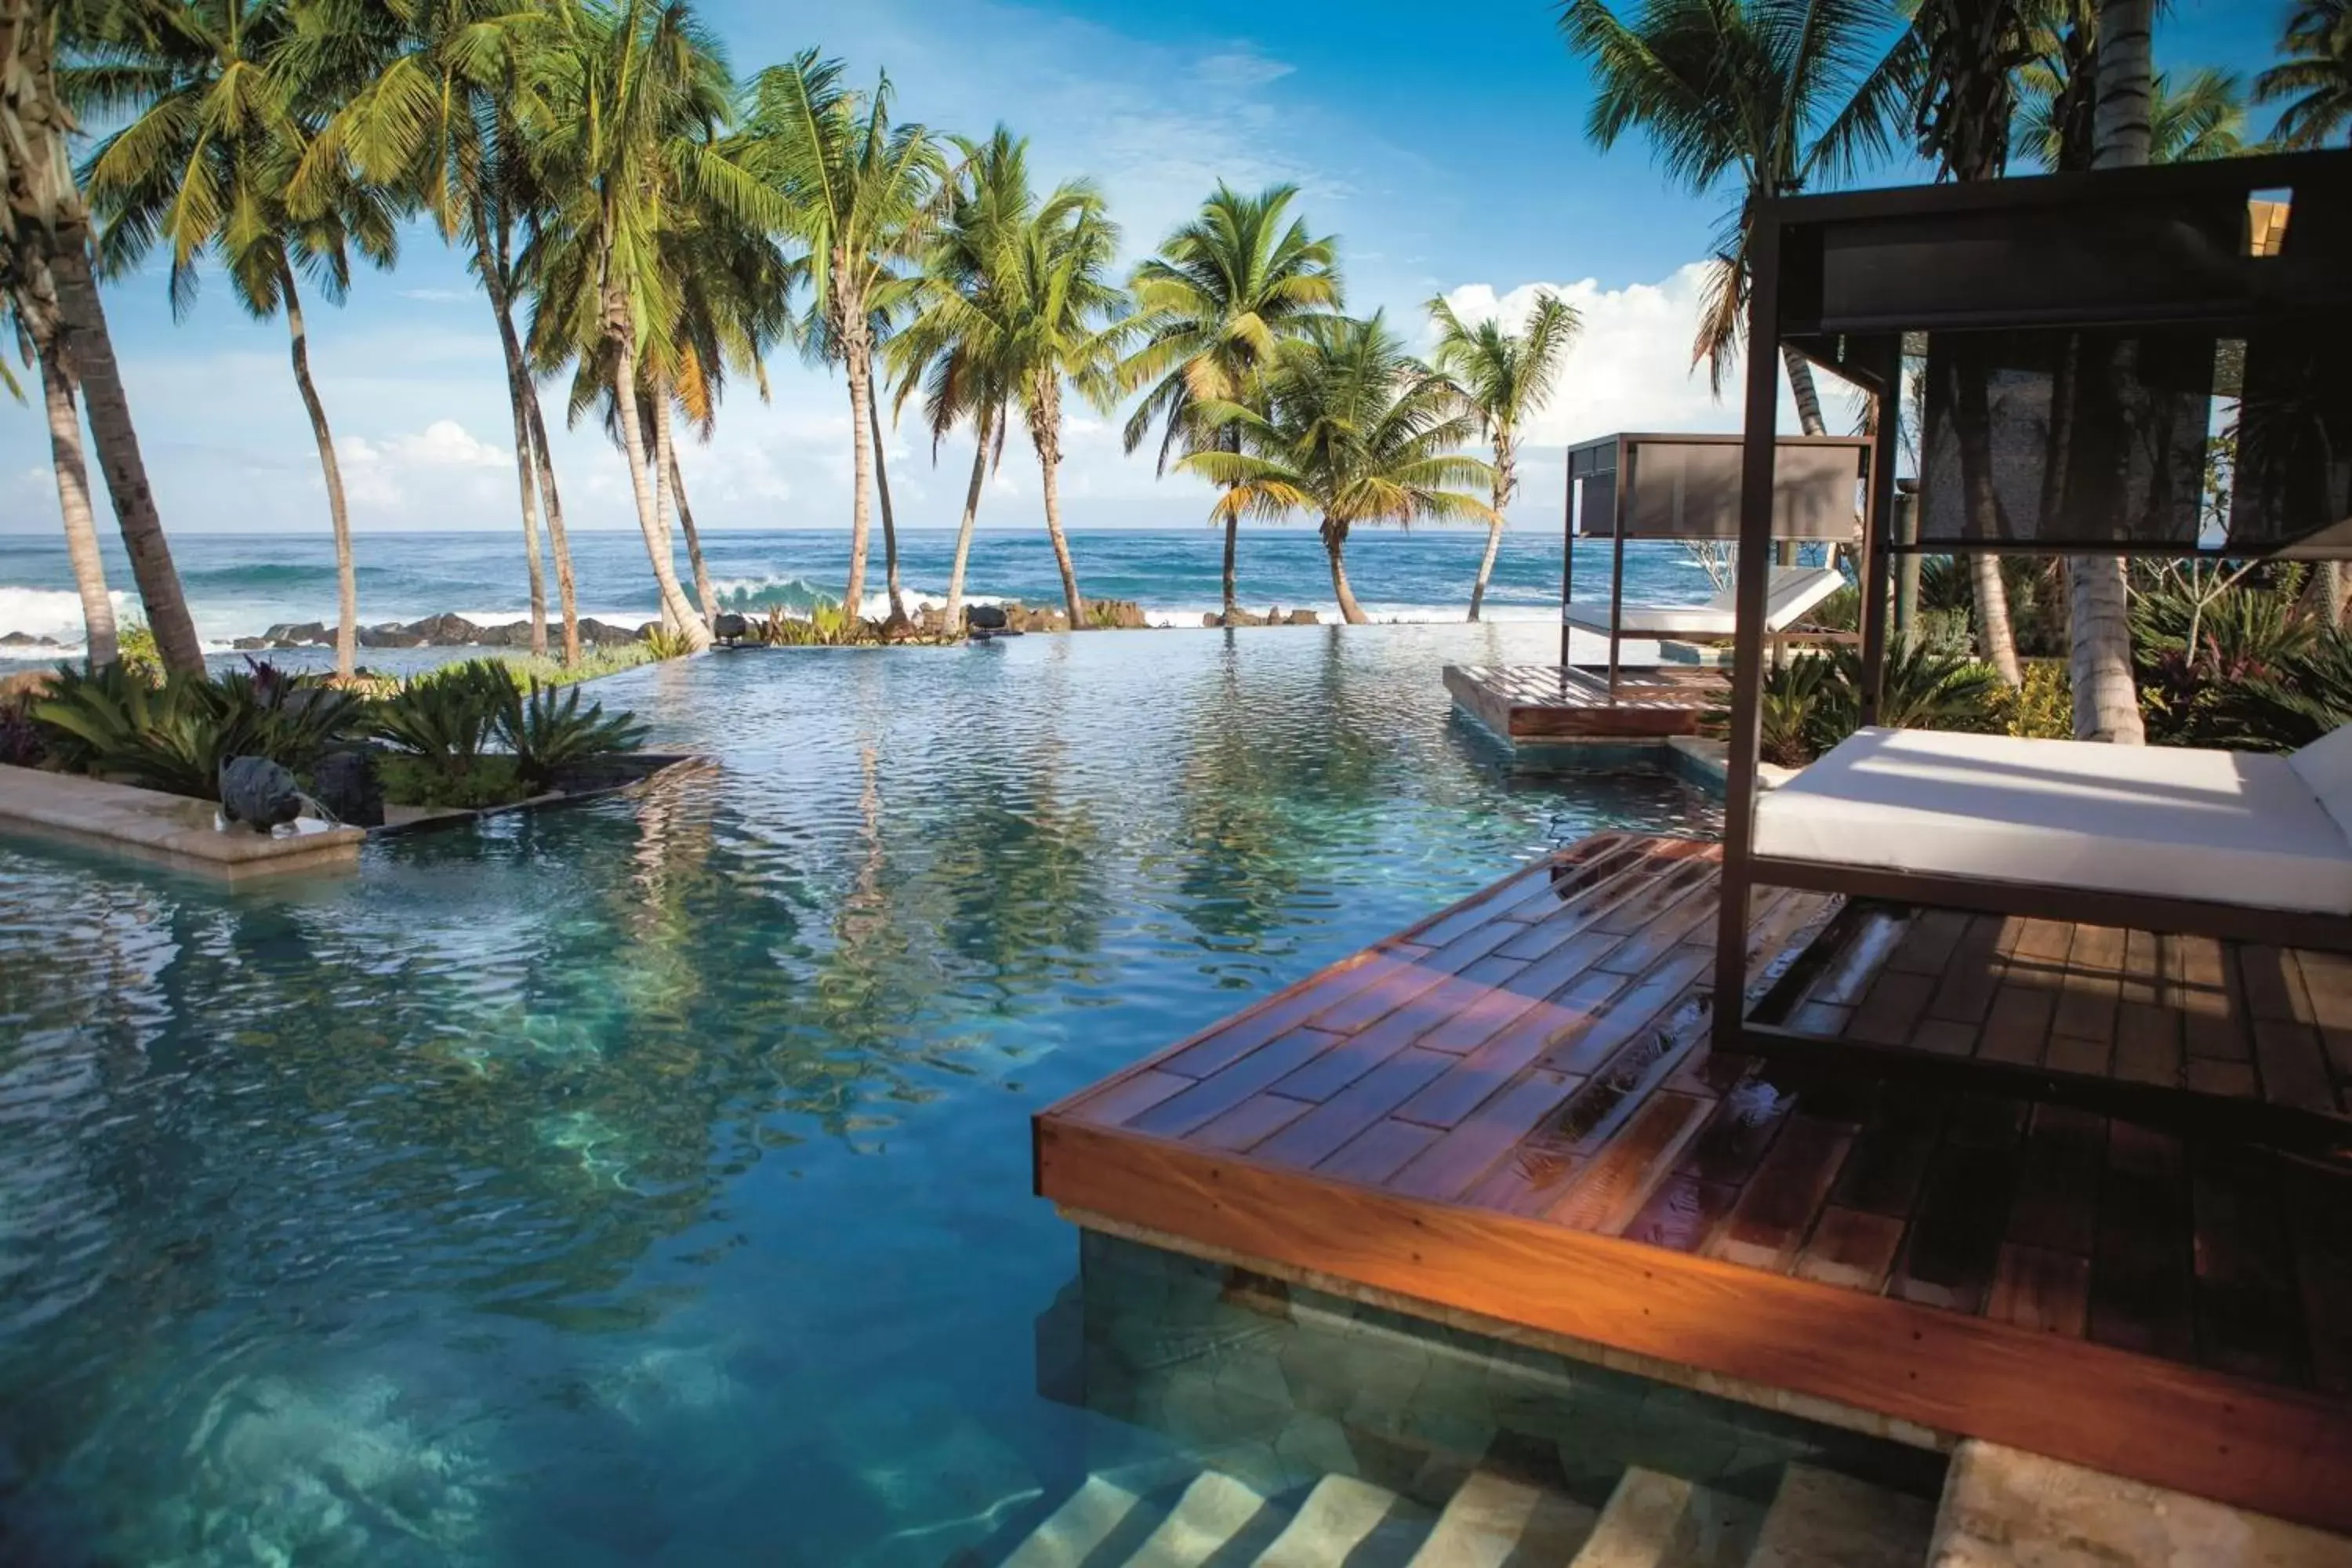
<point x="2059" y="439"/>
<point x="2294" y="427"/>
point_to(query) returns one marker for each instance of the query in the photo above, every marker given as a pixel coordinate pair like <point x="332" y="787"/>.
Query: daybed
<point x="1796" y="590"/>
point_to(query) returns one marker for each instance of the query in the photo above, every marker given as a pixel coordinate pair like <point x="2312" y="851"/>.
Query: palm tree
<point x="631" y="155"/>
<point x="439" y="117"/>
<point x="1761" y="95"/>
<point x="1223" y="291"/>
<point x="1354" y="430"/>
<point x="2315" y="76"/>
<point x="858" y="192"/>
<point x="215" y="129"/>
<point x="2204" y="117"/>
<point x="72" y="472"/>
<point x="1505" y="377"/>
<point x="55" y="290"/>
<point x="947" y="345"/>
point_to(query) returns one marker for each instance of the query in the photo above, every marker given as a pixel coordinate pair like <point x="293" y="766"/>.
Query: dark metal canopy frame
<point x="1685" y="486"/>
<point x="2083" y="336"/>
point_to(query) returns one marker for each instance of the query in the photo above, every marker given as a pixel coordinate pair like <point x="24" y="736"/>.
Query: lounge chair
<point x="2116" y="835"/>
<point x="1795" y="590"/>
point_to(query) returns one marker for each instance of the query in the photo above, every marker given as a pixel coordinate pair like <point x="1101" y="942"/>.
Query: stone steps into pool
<point x="1818" y="1519"/>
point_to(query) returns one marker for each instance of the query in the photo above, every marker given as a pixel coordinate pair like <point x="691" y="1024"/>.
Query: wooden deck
<point x="1554" y="702"/>
<point x="1510" y="1110"/>
<point x="2240" y="1036"/>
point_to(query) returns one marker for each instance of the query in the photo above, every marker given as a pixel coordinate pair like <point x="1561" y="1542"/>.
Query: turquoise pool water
<point x="648" y="1182"/>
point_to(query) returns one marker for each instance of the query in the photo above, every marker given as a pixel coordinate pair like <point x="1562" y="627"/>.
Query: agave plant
<point x="668" y="642"/>
<point x="549" y="734"/>
<point x="448" y="717"/>
<point x="175" y="736"/>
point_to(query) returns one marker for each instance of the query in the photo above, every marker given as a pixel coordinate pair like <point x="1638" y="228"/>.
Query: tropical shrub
<point x="667" y="643"/>
<point x="1814" y="700"/>
<point x="825" y="625"/>
<point x="175" y="736"/>
<point x="548" y="733"/>
<point x="488" y="780"/>
<point x="134" y="645"/>
<point x="22" y="745"/>
<point x="2043" y="709"/>
<point x="448" y="717"/>
<point x="2308" y="697"/>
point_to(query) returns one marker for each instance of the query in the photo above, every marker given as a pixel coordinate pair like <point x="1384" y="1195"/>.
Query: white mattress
<point x="1792" y="591"/>
<point x="2225" y="827"/>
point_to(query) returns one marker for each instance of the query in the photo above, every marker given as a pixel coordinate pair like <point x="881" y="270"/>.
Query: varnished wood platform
<point x="2243" y="1036"/>
<point x="1510" y="1110"/>
<point x="1553" y="702"/>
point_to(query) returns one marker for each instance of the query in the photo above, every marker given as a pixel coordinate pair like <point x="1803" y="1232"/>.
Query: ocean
<point x="240" y="585"/>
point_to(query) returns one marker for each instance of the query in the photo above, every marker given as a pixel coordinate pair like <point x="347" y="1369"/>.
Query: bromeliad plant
<point x="548" y="733"/>
<point x="470" y="735"/>
<point x="175" y="736"/>
<point x="1814" y="700"/>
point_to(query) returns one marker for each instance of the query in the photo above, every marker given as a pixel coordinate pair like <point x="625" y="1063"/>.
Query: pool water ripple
<point x="647" y="1181"/>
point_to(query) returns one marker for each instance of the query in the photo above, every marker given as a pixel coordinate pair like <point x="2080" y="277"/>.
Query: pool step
<point x="1817" y="1520"/>
<point x="1820" y="1519"/>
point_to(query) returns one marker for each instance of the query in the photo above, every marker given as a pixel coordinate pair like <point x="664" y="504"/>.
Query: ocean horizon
<point x="239" y="585"/>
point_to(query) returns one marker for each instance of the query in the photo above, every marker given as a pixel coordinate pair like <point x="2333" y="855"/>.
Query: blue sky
<point x="1443" y="145"/>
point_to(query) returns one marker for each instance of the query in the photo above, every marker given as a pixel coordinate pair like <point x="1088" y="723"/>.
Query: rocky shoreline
<point x="456" y="631"/>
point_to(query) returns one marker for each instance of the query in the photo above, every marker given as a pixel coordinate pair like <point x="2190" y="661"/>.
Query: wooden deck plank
<point x="2034" y="954"/>
<point x="1579" y="1051"/>
<point x="1125" y="1097"/>
<point x="1964" y="992"/>
<point x="1612" y="1186"/>
<point x="2249" y="1317"/>
<point x="1318" y="1134"/>
<point x="1218" y="1049"/>
<point x="1683" y="1214"/>
<point x="2202" y="983"/>
<point x="1929" y="942"/>
<point x="2256" y="1445"/>
<point x="2328" y="981"/>
<point x="1891" y="1013"/>
<point x="1776" y="1209"/>
<point x="1954" y="1241"/>
<point x="1890" y="1156"/>
<point x="2140" y="1271"/>
<point x="1484" y="1137"/>
<point x="1850" y="1248"/>
<point x="2049" y="1293"/>
<point x="1379" y="1152"/>
<point x="1250" y="1121"/>
<point x="2056" y="1207"/>
<point x="1210" y="1098"/>
<point x="2088" y="997"/>
<point x="2316" y="1208"/>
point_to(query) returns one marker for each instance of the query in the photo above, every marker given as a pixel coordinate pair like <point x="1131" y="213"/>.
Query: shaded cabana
<point x="1685" y="488"/>
<point x="2083" y="340"/>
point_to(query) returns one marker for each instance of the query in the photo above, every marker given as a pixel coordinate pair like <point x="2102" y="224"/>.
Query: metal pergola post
<point x="1758" y="450"/>
<point x="1885" y="365"/>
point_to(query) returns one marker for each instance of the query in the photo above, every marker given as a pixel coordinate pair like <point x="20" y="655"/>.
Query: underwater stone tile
<point x="1318" y="1372"/>
<point x="1449" y="1431"/>
<point x="1382" y="1460"/>
<point x="1312" y="1447"/>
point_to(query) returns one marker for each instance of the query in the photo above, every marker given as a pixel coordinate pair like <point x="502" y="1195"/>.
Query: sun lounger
<point x="2189" y="827"/>
<point x="1795" y="590"/>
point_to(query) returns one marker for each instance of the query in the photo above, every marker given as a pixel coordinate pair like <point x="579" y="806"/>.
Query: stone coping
<point x="163" y="830"/>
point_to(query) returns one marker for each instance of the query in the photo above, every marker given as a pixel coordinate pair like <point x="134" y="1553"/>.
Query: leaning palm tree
<point x="101" y="644"/>
<point x="2200" y="117"/>
<point x="215" y="127"/>
<point x="628" y="155"/>
<point x="858" y="191"/>
<point x="1505" y="376"/>
<point x="54" y="287"/>
<point x="1762" y="96"/>
<point x="440" y="116"/>
<point x="948" y="346"/>
<point x="1352" y="429"/>
<point x="2314" y="76"/>
<point x="1226" y="290"/>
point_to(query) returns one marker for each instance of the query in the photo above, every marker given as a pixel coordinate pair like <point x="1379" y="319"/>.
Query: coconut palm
<point x="1353" y="430"/>
<point x="52" y="287"/>
<point x="947" y="346"/>
<point x="858" y="192"/>
<point x="631" y="156"/>
<point x="1505" y="377"/>
<point x="214" y="129"/>
<point x="2314" y="76"/>
<point x="1762" y="96"/>
<point x="71" y="470"/>
<point x="1223" y="291"/>
<point x="2199" y="117"/>
<point x="439" y="117"/>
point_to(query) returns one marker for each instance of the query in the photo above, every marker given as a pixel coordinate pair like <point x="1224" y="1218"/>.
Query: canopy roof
<point x="1687" y="487"/>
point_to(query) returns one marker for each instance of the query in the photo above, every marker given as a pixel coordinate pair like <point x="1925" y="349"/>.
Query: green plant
<point x="2043" y="709"/>
<point x="667" y="643"/>
<point x="825" y="625"/>
<point x="135" y="649"/>
<point x="1812" y="701"/>
<point x="173" y="736"/>
<point x="448" y="717"/>
<point x="22" y="741"/>
<point x="2310" y="695"/>
<point x="488" y="781"/>
<point x="547" y="732"/>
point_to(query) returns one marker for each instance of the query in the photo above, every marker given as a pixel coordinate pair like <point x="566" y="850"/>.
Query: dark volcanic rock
<point x="601" y="634"/>
<point x="299" y="633"/>
<point x="346" y="784"/>
<point x="247" y="644"/>
<point x="389" y="635"/>
<point x="444" y="631"/>
<point x="985" y="617"/>
<point x="514" y="634"/>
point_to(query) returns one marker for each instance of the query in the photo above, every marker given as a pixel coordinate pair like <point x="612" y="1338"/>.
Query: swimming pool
<point x="649" y="1180"/>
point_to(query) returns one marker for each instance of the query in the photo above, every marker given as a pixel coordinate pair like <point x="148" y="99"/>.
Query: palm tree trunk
<point x="858" y="353"/>
<point x="955" y="611"/>
<point x="1809" y="419"/>
<point x="1994" y="632"/>
<point x="1505" y="482"/>
<point x="1231" y="441"/>
<point x="73" y="502"/>
<point x="882" y="492"/>
<point x="347" y="594"/>
<point x="91" y="350"/>
<point x="703" y="591"/>
<point x="1045" y="431"/>
<point x="676" y="611"/>
<point x="557" y="545"/>
<point x="1335" y="540"/>
<point x="517" y="398"/>
<point x="2107" y="702"/>
<point x="1996" y="637"/>
<point x="2328" y="583"/>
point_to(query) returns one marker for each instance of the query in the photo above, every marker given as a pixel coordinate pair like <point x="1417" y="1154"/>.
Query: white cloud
<point x="381" y="474"/>
<point x="1241" y="69"/>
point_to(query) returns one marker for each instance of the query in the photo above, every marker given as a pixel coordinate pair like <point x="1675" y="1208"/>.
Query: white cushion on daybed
<point x="2326" y="766"/>
<point x="1793" y="591"/>
<point x="2225" y="827"/>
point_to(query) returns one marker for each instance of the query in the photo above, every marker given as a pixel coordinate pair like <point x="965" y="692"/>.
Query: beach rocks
<point x="600" y="633"/>
<point x="1273" y="617"/>
<point x="1124" y="614"/>
<point x="299" y="634"/>
<point x="21" y="639"/>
